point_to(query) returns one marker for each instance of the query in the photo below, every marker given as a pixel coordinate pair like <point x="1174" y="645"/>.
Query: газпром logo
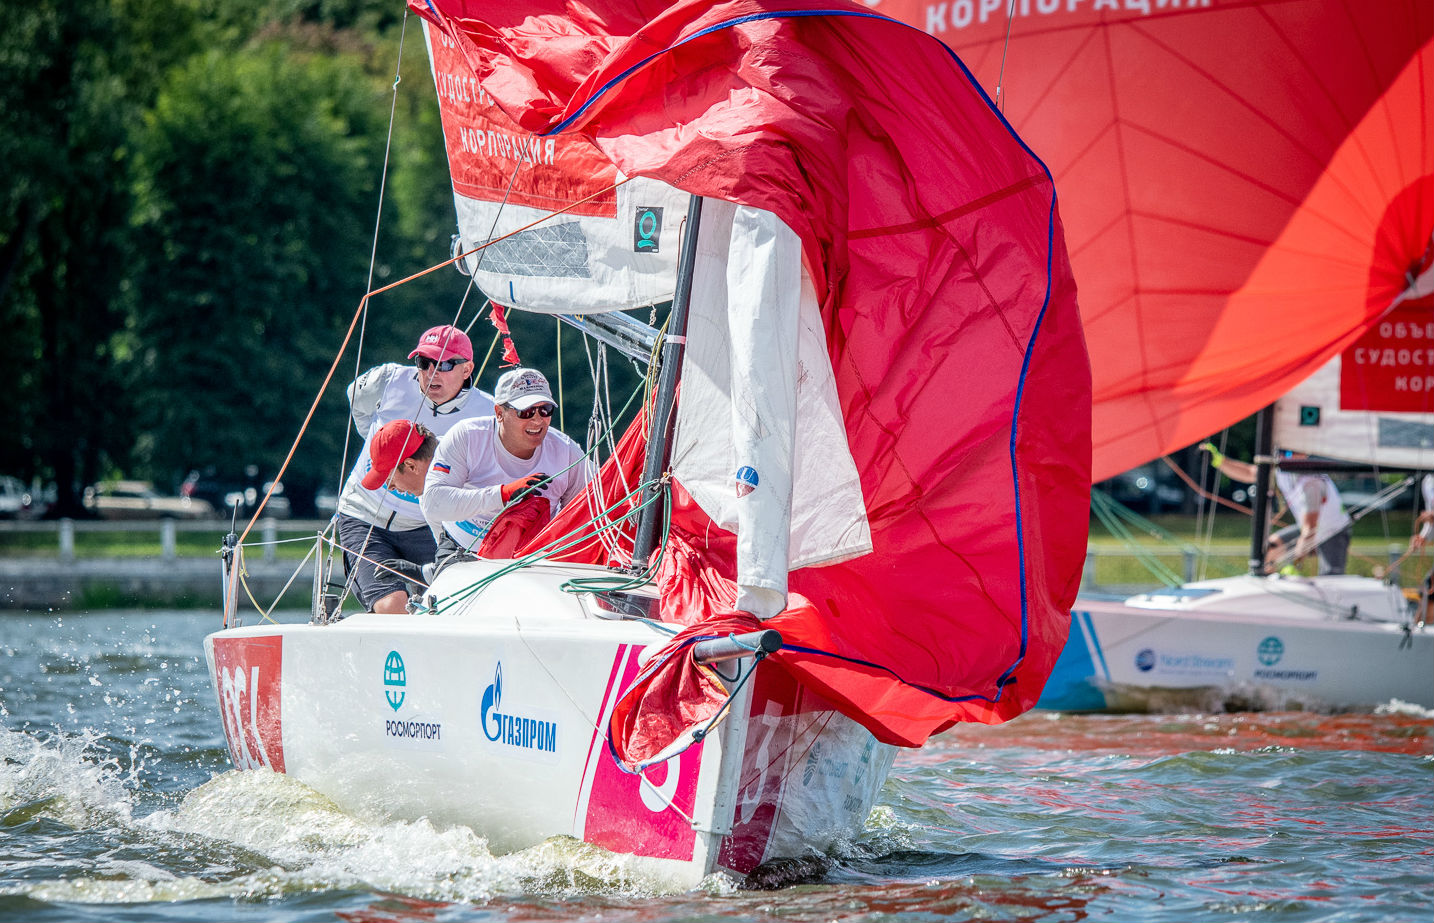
<point x="521" y="731"/>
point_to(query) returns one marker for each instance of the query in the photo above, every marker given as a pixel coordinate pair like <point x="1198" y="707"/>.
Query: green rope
<point x="606" y="583"/>
<point x="1123" y="523"/>
<point x="614" y="583"/>
<point x="558" y="546"/>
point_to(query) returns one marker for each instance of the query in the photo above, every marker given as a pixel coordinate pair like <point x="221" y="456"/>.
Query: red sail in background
<point x="1240" y="184"/>
<point x="1391" y="367"/>
<point x="932" y="238"/>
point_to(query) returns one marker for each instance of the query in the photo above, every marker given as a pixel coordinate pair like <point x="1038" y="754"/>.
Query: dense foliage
<point x="187" y="229"/>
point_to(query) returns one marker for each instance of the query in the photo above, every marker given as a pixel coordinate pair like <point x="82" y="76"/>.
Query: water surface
<point x="117" y="802"/>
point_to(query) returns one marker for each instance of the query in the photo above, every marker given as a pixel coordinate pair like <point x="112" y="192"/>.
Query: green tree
<point x="71" y="87"/>
<point x="187" y="228"/>
<point x="258" y="175"/>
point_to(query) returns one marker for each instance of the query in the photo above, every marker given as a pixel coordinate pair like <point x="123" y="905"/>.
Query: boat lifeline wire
<point x="326" y="566"/>
<point x="354" y="323"/>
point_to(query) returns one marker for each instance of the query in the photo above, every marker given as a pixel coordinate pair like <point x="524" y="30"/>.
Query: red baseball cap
<point x="390" y="445"/>
<point x="439" y="343"/>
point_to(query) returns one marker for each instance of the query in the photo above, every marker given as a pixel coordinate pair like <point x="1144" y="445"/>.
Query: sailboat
<point x="1248" y="190"/>
<point x="1270" y="639"/>
<point x="853" y="510"/>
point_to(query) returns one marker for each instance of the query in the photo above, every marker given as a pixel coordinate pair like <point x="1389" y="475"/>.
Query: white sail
<point x="614" y="240"/>
<point x="576" y="264"/>
<point x="760" y="441"/>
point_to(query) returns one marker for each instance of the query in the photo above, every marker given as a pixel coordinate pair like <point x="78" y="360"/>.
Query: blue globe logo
<point x="396" y="678"/>
<point x="1270" y="651"/>
<point x="1145" y="660"/>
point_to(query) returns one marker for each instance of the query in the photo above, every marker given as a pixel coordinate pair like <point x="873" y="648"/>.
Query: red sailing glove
<point x="531" y="482"/>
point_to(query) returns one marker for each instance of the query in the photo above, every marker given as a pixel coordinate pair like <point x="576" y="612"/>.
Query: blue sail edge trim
<point x="972" y="697"/>
<point x="1007" y="676"/>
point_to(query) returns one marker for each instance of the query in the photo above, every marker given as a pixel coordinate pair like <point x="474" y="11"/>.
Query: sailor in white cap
<point x="482" y="465"/>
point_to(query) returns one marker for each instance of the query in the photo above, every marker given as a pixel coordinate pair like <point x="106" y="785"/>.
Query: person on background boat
<point x="496" y="464"/>
<point x="381" y="522"/>
<point x="1424" y="537"/>
<point x="1321" y="525"/>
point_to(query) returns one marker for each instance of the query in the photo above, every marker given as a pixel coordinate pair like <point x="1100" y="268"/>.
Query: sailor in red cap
<point x="396" y="463"/>
<point x="384" y="521"/>
<point x="398" y="457"/>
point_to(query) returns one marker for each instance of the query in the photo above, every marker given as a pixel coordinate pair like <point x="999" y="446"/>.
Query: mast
<point x="627" y="335"/>
<point x="659" y="437"/>
<point x="1264" y="463"/>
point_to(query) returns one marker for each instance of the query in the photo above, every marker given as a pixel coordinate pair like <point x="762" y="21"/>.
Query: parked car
<point x="1150" y="488"/>
<point x="139" y="500"/>
<point x="17" y="500"/>
<point x="226" y="495"/>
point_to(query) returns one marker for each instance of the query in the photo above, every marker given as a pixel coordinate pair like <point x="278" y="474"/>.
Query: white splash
<point x="260" y="835"/>
<point x="54" y="778"/>
<point x="1400" y="707"/>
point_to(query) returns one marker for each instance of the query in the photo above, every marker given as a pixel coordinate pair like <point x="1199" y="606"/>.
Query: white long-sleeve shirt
<point x="1304" y="493"/>
<point x="381" y="395"/>
<point x="463" y="491"/>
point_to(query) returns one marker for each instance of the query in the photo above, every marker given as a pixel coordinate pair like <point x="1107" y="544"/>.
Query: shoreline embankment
<point x="94" y="564"/>
<point x="40" y="584"/>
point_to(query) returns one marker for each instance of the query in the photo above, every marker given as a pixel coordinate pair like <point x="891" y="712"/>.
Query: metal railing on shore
<point x="265" y="534"/>
<point x="1123" y="569"/>
<point x="1106" y="569"/>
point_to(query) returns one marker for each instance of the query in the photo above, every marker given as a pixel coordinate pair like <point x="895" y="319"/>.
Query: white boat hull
<point x="493" y="715"/>
<point x="1326" y="643"/>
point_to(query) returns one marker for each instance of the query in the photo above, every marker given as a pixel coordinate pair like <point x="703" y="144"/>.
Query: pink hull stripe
<point x="618" y="661"/>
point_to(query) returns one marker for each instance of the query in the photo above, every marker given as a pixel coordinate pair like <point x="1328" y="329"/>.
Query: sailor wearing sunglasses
<point x="385" y="522"/>
<point x="483" y="465"/>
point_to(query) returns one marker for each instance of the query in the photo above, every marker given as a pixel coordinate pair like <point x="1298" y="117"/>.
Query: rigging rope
<point x="1005" y="46"/>
<point x="358" y="313"/>
<point x="377" y="219"/>
<point x="1117" y="519"/>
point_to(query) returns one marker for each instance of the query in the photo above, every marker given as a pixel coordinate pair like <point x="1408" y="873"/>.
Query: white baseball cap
<point x="523" y="388"/>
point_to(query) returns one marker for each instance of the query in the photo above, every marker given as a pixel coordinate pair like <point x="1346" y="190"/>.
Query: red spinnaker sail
<point x="1246" y="185"/>
<point x="932" y="236"/>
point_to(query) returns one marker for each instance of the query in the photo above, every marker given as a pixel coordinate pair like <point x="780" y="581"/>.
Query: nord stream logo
<point x="528" y="733"/>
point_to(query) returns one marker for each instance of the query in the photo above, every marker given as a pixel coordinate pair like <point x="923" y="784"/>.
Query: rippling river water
<point x="117" y="802"/>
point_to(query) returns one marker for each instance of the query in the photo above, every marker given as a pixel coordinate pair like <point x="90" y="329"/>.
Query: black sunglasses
<point x="544" y="409"/>
<point x="447" y="365"/>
